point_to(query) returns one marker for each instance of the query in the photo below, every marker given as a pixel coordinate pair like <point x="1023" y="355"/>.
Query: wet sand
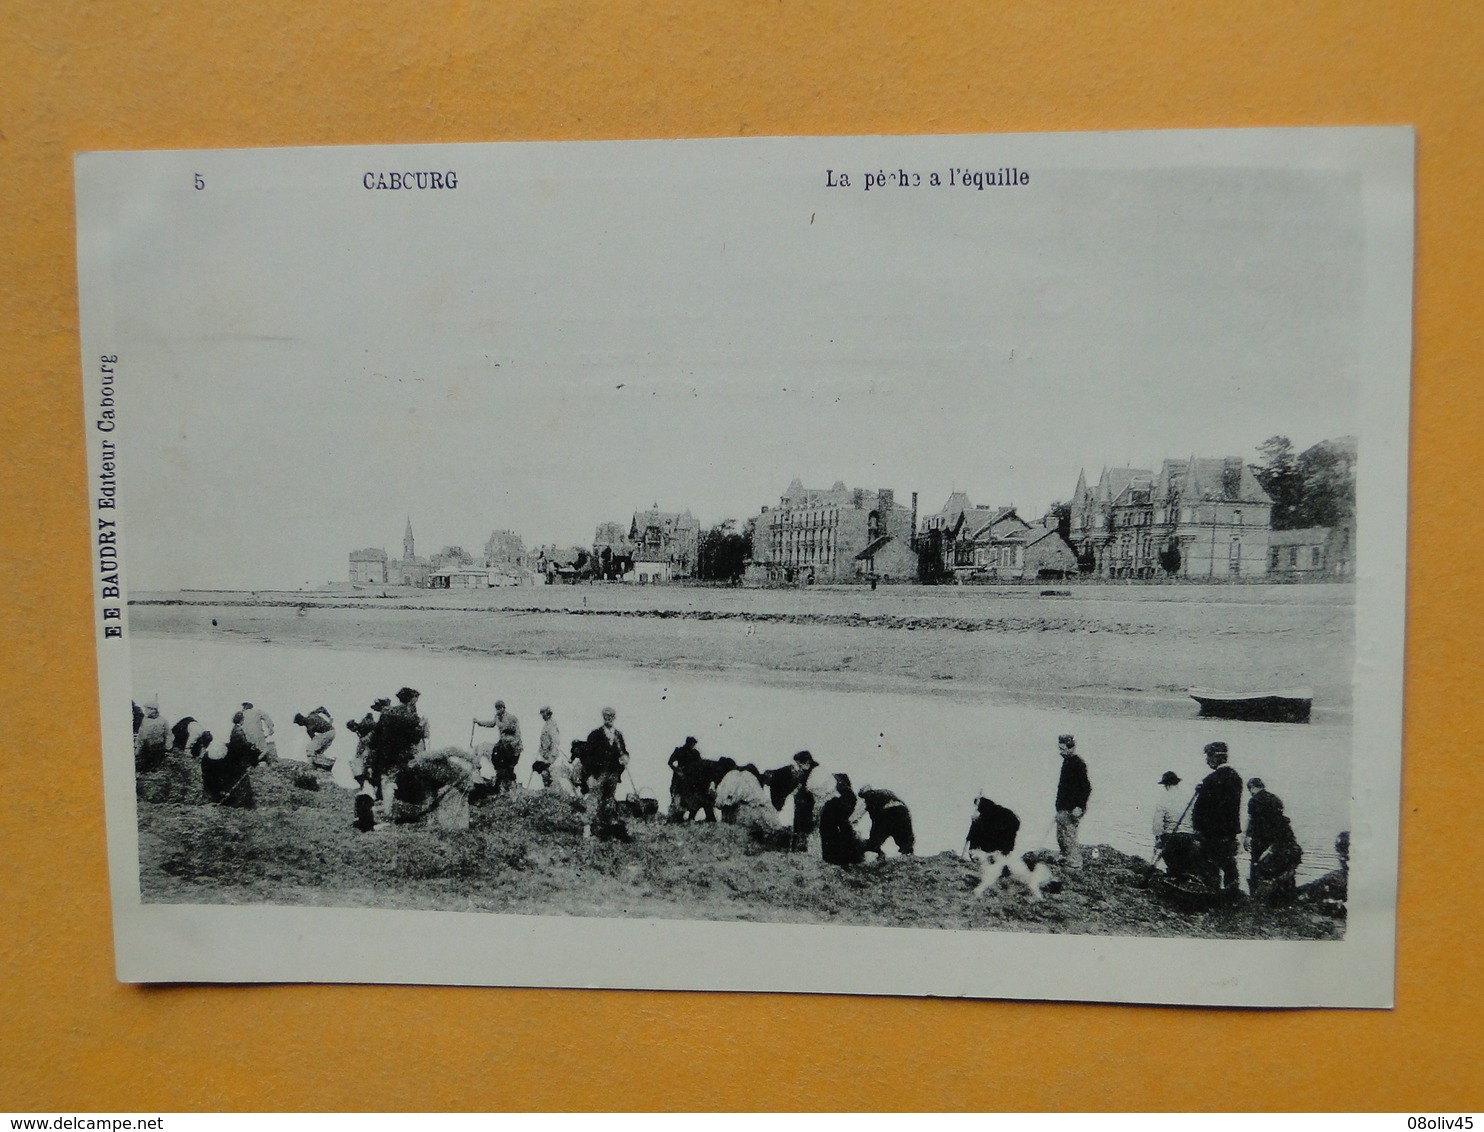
<point x="1107" y="649"/>
<point x="936" y="751"/>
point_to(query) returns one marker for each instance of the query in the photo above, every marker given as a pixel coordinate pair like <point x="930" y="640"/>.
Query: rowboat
<point x="1288" y="706"/>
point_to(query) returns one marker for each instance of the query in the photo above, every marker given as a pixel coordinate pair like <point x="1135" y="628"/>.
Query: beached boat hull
<point x="1291" y="706"/>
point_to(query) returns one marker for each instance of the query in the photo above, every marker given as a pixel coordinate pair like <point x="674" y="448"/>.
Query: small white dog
<point x="991" y="841"/>
<point x="994" y="865"/>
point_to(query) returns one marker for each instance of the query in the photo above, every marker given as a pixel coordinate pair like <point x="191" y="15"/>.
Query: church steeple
<point x="407" y="551"/>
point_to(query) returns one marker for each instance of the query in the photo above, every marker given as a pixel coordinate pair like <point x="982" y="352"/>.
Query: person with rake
<point x="506" y="754"/>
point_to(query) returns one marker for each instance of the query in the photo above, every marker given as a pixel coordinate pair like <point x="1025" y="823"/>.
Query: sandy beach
<point x="1108" y="649"/>
<point x="935" y="692"/>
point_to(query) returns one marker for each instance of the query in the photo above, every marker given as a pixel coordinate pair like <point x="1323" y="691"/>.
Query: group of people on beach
<point x="826" y="805"/>
<point x="396" y="779"/>
<point x="1200" y="858"/>
<point x="226" y="763"/>
<point x="591" y="770"/>
<point x="1206" y="852"/>
<point x="1196" y="842"/>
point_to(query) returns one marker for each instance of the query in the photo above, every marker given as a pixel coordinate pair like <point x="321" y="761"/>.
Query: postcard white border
<point x="169" y="943"/>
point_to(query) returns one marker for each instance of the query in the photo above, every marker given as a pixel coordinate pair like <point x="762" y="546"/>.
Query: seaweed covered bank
<point x="524" y="853"/>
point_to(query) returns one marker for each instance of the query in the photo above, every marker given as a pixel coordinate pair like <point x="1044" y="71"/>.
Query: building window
<point x="1237" y="518"/>
<point x="1317" y="556"/>
<point x="1293" y="555"/>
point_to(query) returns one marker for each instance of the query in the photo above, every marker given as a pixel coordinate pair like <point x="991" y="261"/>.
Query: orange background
<point x="77" y="76"/>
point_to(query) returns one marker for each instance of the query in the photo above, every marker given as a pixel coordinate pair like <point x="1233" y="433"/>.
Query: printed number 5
<point x="200" y="184"/>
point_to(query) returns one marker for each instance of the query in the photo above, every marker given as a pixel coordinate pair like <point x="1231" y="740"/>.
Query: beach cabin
<point x="648" y="572"/>
<point x="460" y="578"/>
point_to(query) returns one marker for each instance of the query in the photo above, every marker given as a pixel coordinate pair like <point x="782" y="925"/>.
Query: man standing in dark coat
<point x="1216" y="816"/>
<point x="603" y="760"/>
<point x="1072" y="792"/>
<point x="682" y="762"/>
<point x="400" y="732"/>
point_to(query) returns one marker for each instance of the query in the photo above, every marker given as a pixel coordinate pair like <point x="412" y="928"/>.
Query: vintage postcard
<point x="891" y="565"/>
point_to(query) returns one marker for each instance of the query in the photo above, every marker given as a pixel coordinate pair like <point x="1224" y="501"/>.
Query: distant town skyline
<point x="577" y="333"/>
<point x="429" y="545"/>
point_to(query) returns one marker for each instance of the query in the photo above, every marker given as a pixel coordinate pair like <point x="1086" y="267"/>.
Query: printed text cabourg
<point x="407" y="180"/>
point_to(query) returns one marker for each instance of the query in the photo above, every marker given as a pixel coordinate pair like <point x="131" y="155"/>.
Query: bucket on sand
<point x="642" y="806"/>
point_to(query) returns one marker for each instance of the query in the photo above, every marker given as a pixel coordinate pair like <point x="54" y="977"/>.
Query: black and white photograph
<point x="956" y="565"/>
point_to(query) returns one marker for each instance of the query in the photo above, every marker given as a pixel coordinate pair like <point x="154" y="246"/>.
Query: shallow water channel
<point x="936" y="751"/>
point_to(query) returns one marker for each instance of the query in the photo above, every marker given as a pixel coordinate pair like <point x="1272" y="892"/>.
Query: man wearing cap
<point x="603" y="761"/>
<point x="400" y="732"/>
<point x="1073" y="789"/>
<point x="1168" y="809"/>
<point x="553" y="764"/>
<point x="1216" y="816"/>
<point x="1271" y="845"/>
<point x="321" y="731"/>
<point x="151" y="738"/>
<point x="225" y="768"/>
<point x="508" y="747"/>
<point x="257" y="728"/>
<point x="684" y="763"/>
<point x="838" y="844"/>
<point x="367" y="730"/>
<point x="1178" y="848"/>
<point x="813" y="786"/>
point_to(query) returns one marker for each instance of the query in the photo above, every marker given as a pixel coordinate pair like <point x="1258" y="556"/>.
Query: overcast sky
<point x="581" y="330"/>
